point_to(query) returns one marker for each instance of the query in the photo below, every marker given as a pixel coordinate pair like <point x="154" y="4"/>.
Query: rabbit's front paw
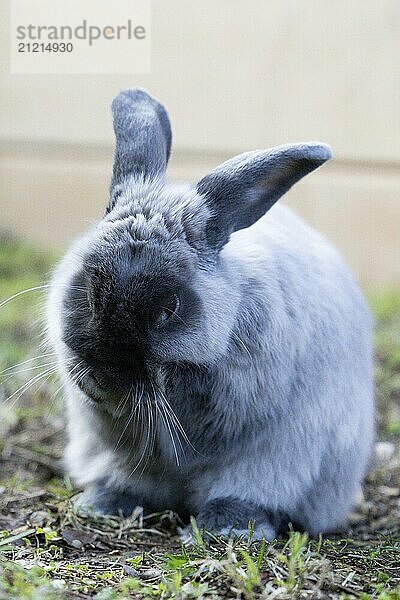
<point x="231" y="517"/>
<point x="102" y="500"/>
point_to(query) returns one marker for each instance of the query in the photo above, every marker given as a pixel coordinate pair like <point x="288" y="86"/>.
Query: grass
<point x="48" y="551"/>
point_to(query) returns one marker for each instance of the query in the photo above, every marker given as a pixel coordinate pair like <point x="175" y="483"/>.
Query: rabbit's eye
<point x="169" y="308"/>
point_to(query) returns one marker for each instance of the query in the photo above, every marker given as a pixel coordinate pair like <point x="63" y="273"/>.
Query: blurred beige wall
<point x="235" y="76"/>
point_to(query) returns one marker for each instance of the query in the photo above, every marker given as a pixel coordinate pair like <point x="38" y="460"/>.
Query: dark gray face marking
<point x="119" y="308"/>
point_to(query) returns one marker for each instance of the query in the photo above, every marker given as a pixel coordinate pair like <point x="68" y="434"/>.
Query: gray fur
<point x="143" y="136"/>
<point x="267" y="365"/>
<point x="244" y="188"/>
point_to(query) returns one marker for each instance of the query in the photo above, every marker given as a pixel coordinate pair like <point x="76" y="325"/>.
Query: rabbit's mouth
<point x="107" y="387"/>
<point x="99" y="391"/>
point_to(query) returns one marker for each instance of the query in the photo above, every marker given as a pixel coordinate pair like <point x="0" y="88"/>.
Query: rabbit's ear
<point x="244" y="188"/>
<point x="143" y="136"/>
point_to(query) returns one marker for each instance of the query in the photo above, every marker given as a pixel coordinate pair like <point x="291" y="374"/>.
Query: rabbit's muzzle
<point x="108" y="383"/>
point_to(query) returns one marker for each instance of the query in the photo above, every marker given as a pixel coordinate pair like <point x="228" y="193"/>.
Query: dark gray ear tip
<point x="313" y="153"/>
<point x="318" y="151"/>
<point x="131" y="99"/>
<point x="135" y="104"/>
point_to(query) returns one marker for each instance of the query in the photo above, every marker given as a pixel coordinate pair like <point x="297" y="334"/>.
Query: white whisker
<point x="24" y="362"/>
<point x="14" y="373"/>
<point x="37" y="288"/>
<point x="32" y="289"/>
<point x="23" y="388"/>
<point x="165" y="417"/>
<point x="144" y="451"/>
<point x="241" y="342"/>
<point x="177" y="422"/>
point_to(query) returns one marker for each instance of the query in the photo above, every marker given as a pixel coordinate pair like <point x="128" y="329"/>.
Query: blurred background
<point x="234" y="77"/>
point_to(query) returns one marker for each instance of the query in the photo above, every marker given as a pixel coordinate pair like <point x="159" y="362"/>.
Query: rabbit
<point x="215" y="350"/>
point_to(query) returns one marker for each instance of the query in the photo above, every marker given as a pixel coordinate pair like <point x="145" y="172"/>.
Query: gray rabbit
<point x="216" y="361"/>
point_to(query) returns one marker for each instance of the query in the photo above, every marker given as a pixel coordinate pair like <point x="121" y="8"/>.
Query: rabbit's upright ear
<point x="143" y="136"/>
<point x="244" y="188"/>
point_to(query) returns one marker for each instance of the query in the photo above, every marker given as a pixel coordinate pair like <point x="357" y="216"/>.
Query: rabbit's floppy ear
<point x="143" y="136"/>
<point x="244" y="188"/>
